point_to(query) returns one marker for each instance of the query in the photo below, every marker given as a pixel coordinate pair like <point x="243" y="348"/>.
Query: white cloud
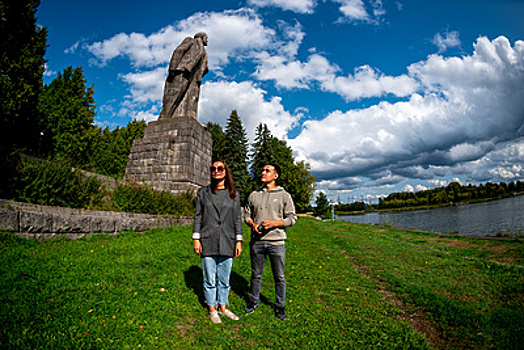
<point x="408" y="188"/>
<point x="449" y="39"/>
<point x="438" y="183"/>
<point x="231" y="35"/>
<point x="147" y="86"/>
<point x="48" y="72"/>
<point x="299" y="6"/>
<point x="356" y="10"/>
<point x="467" y="108"/>
<point x="294" y="74"/>
<point x="218" y="99"/>
<point x="364" y="83"/>
<point x="367" y="82"/>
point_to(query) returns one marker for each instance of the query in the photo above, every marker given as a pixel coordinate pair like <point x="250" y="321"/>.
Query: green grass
<point x="348" y="286"/>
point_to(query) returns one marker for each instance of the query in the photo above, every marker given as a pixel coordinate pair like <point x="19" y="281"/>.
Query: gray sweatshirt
<point x="275" y="204"/>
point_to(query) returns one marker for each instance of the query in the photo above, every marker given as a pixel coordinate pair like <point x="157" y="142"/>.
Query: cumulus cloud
<point x="231" y="34"/>
<point x="463" y="120"/>
<point x="218" y="99"/>
<point x="146" y="86"/>
<point x="366" y="82"/>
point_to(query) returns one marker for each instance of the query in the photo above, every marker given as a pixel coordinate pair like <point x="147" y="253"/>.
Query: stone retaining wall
<point x="41" y="222"/>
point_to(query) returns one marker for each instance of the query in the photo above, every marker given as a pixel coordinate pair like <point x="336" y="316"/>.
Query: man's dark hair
<point x="278" y="170"/>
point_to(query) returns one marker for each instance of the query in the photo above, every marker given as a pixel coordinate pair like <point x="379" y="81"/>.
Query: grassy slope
<point x="349" y="286"/>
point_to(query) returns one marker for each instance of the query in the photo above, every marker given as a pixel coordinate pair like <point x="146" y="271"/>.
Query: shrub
<point x="135" y="198"/>
<point x="56" y="183"/>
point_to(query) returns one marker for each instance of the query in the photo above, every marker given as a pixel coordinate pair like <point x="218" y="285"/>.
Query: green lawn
<point x="348" y="286"/>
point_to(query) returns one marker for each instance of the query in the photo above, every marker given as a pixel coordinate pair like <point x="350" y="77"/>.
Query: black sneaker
<point x="281" y="313"/>
<point x="250" y="307"/>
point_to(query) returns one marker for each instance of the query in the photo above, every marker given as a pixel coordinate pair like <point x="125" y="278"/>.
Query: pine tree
<point x="219" y="141"/>
<point x="236" y="152"/>
<point x="296" y="177"/>
<point x="261" y="152"/>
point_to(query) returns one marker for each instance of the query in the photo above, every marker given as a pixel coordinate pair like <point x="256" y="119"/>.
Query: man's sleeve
<point x="248" y="210"/>
<point x="290" y="217"/>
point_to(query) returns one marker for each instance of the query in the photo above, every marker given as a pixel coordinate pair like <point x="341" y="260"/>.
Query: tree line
<point x="453" y="193"/>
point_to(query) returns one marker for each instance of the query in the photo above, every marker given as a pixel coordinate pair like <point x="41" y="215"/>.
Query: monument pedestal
<point x="174" y="155"/>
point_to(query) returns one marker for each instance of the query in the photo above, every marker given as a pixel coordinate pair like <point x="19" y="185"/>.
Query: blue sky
<point x="378" y="96"/>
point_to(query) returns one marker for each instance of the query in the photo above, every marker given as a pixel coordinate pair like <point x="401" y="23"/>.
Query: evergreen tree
<point x="236" y="152"/>
<point x="261" y="152"/>
<point x="322" y="205"/>
<point x="296" y="177"/>
<point x="22" y="48"/>
<point x="110" y="149"/>
<point x="69" y="110"/>
<point x="219" y="141"/>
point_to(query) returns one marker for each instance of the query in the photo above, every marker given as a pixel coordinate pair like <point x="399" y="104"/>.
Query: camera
<point x="260" y="228"/>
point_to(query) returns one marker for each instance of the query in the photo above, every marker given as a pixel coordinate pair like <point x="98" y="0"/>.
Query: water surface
<point x="504" y="216"/>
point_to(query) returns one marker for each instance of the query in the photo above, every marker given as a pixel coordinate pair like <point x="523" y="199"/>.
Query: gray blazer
<point x="218" y="229"/>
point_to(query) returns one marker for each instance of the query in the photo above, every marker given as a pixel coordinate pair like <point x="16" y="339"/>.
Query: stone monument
<point x="175" y="152"/>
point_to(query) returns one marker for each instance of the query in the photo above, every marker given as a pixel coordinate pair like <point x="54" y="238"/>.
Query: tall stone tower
<point x="175" y="152"/>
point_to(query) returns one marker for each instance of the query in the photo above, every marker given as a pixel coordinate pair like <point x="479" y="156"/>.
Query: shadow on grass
<point x="239" y="285"/>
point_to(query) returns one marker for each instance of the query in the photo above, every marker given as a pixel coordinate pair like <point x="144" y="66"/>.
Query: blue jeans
<point x="277" y="258"/>
<point x="219" y="267"/>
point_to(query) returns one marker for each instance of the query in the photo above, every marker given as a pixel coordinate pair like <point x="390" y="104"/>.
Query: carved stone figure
<point x="187" y="67"/>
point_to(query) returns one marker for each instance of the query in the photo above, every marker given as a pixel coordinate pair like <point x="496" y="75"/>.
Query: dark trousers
<point x="277" y="258"/>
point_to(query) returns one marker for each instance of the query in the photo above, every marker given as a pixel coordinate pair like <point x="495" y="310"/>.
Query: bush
<point x="132" y="197"/>
<point x="56" y="183"/>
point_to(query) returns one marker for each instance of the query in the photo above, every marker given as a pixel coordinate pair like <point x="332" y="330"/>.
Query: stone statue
<point x="187" y="67"/>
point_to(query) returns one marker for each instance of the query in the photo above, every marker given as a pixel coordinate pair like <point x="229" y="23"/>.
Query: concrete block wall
<point x="41" y="222"/>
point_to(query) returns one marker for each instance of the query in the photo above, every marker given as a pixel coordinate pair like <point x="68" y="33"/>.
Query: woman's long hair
<point x="230" y="186"/>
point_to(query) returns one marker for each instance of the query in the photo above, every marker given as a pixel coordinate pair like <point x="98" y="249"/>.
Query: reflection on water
<point x="504" y="216"/>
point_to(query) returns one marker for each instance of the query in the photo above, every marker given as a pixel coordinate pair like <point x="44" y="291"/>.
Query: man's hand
<point x="269" y="224"/>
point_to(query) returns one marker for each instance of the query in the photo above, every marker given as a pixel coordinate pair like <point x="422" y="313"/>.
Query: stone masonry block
<point x="9" y="219"/>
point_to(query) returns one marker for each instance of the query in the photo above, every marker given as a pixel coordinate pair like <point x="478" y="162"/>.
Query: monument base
<point x="174" y="155"/>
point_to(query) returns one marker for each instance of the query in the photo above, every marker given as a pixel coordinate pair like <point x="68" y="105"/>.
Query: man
<point x="182" y="87"/>
<point x="269" y="211"/>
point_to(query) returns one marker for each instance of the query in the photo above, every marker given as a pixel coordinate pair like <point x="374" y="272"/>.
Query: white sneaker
<point x="213" y="315"/>
<point x="229" y="314"/>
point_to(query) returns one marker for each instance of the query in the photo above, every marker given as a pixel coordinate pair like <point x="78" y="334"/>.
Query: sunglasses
<point x="217" y="169"/>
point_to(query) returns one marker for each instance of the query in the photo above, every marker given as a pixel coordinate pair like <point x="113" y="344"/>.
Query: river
<point x="505" y="216"/>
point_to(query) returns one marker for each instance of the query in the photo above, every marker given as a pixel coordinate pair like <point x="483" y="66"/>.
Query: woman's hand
<point x="197" y="246"/>
<point x="238" y="248"/>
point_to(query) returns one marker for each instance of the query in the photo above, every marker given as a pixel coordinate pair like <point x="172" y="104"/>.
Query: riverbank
<point x="348" y="286"/>
<point x="423" y="207"/>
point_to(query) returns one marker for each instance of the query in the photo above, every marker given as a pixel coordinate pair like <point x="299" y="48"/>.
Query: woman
<point x="217" y="237"/>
